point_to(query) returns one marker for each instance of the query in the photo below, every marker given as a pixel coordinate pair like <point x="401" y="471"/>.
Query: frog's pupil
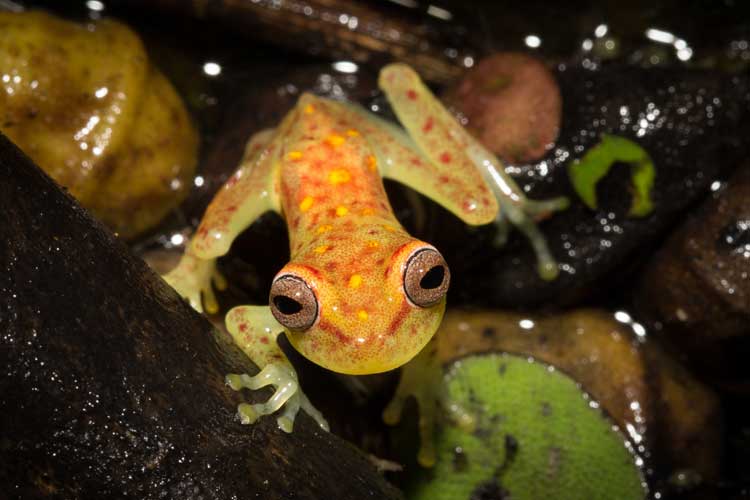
<point x="433" y="278"/>
<point x="286" y="305"/>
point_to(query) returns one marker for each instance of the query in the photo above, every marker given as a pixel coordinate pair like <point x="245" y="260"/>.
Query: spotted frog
<point x="360" y="295"/>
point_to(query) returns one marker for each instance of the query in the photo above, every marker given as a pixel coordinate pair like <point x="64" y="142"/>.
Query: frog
<point x="359" y="295"/>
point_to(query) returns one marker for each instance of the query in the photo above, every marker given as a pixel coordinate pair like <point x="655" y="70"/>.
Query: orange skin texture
<point x="347" y="245"/>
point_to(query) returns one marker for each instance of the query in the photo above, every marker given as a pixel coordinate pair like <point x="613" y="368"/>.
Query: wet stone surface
<point x="695" y="292"/>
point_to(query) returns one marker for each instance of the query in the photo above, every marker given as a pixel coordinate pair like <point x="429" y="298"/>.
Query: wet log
<point x="112" y="386"/>
<point x="362" y="32"/>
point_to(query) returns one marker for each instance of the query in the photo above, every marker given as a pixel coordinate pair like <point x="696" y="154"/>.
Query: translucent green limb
<point x="254" y="330"/>
<point x="422" y="378"/>
<point x="242" y="199"/>
<point x="447" y="144"/>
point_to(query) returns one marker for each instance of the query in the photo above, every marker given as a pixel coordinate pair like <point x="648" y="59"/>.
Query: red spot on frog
<point x="264" y="340"/>
<point x="444" y="179"/>
<point x="243" y="327"/>
<point x="445" y="157"/>
<point x="411" y="94"/>
<point x="428" y="124"/>
<point x="398" y="319"/>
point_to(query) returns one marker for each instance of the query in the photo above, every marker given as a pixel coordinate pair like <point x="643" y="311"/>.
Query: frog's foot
<point x="287" y="395"/>
<point x="523" y="214"/>
<point x="192" y="279"/>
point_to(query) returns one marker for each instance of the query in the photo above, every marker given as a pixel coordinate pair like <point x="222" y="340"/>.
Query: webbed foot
<point x="287" y="395"/>
<point x="193" y="278"/>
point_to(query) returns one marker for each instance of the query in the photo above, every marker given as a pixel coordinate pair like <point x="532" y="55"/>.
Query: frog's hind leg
<point x="457" y="159"/>
<point x="244" y="197"/>
<point x="422" y="377"/>
<point x="254" y="330"/>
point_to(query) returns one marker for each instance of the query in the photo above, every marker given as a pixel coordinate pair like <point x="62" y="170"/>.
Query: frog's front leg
<point x="243" y="198"/>
<point x="254" y="330"/>
<point x="422" y="378"/>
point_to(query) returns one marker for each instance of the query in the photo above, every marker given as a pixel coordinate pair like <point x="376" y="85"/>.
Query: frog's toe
<point x="292" y="407"/>
<point x="192" y="279"/>
<point x="541" y="209"/>
<point x="394" y="409"/>
<point x="524" y="216"/>
<point x="247" y="414"/>
<point x="185" y="288"/>
<point x="219" y="281"/>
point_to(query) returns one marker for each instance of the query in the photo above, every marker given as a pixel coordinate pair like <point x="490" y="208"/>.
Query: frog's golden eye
<point x="293" y="303"/>
<point x="426" y="277"/>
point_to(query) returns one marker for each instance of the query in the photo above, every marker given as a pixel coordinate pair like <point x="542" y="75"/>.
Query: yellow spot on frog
<point x="362" y="314"/>
<point x="339" y="176"/>
<point x="335" y="140"/>
<point x="355" y="281"/>
<point x="373" y="244"/>
<point x="294" y="155"/>
<point x="372" y="163"/>
<point x="341" y="211"/>
<point x="352" y="133"/>
<point x="321" y="249"/>
<point x="309" y="109"/>
<point x="306" y="203"/>
<point x="324" y="228"/>
<point x="368" y="211"/>
<point x="388" y="228"/>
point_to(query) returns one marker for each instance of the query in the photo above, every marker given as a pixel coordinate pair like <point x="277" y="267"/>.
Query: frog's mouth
<point x="373" y="351"/>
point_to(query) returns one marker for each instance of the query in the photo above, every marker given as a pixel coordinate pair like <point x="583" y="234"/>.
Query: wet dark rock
<point x="112" y="386"/>
<point x="694" y="125"/>
<point x="696" y="289"/>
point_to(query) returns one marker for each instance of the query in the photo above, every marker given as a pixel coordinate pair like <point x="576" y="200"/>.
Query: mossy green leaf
<point x="537" y="436"/>
<point x="586" y="173"/>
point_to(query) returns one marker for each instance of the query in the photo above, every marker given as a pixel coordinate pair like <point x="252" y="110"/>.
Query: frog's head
<point x="361" y="309"/>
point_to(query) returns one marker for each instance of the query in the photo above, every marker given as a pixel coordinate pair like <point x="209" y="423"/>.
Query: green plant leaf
<point x="586" y="173"/>
<point x="537" y="436"/>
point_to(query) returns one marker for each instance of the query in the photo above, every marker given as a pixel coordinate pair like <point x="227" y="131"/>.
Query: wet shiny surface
<point x="621" y="70"/>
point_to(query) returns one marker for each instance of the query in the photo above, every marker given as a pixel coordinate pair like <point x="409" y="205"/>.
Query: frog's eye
<point x="293" y="302"/>
<point x="426" y="277"/>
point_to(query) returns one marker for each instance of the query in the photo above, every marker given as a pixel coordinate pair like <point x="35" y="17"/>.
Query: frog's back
<point x="329" y="176"/>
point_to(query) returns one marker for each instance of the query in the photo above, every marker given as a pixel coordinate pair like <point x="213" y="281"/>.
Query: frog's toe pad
<point x="192" y="279"/>
<point x="247" y="414"/>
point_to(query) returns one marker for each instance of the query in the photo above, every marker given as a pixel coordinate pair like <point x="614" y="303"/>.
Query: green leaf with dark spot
<point x="537" y="436"/>
<point x="586" y="173"/>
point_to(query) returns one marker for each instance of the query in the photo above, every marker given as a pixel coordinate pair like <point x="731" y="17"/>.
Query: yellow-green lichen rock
<point x="84" y="102"/>
<point x="537" y="436"/>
